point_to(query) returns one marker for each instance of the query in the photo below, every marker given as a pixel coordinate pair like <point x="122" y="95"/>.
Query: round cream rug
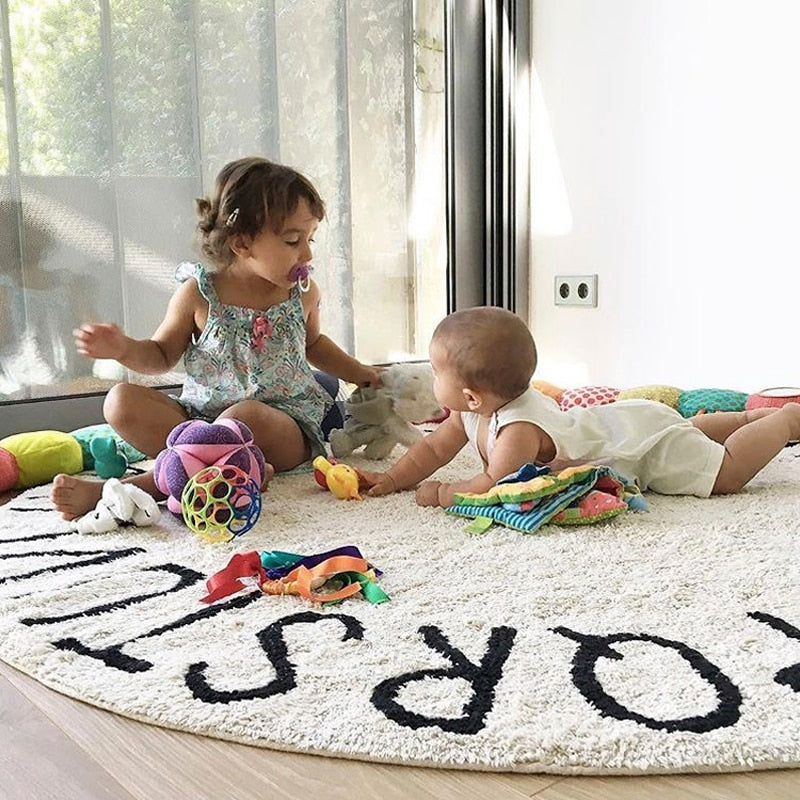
<point x="666" y="641"/>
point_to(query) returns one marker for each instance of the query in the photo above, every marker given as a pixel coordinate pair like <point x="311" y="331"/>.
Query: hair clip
<point x="232" y="217"/>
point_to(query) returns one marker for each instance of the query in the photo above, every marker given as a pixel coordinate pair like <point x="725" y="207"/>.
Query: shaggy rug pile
<point x="666" y="641"/>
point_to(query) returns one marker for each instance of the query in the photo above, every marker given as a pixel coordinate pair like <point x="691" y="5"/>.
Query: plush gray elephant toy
<point x="381" y="418"/>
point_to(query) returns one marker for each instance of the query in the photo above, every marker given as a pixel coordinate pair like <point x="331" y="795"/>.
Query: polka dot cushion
<point x="587" y="396"/>
<point x="706" y="401"/>
<point x="668" y="395"/>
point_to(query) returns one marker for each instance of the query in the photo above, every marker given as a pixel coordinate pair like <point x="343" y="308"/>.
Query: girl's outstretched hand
<point x="100" y="340"/>
<point x="372" y="376"/>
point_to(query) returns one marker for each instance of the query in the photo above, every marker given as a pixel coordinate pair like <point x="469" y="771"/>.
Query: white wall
<point x="666" y="148"/>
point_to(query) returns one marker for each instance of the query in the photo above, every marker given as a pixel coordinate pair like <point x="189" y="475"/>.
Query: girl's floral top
<point x="247" y="353"/>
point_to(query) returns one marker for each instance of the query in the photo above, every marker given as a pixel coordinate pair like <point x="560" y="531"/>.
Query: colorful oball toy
<point x="219" y="503"/>
<point x="195" y="444"/>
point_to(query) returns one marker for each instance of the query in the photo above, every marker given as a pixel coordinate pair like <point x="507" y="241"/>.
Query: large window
<point x="118" y="113"/>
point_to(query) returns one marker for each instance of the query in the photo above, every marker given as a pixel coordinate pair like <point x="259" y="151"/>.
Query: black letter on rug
<point x="483" y="678"/>
<point x="186" y="577"/>
<point x="591" y="648"/>
<point x="271" y="640"/>
<point x="104" y="557"/>
<point x="788" y="676"/>
<point x="112" y="656"/>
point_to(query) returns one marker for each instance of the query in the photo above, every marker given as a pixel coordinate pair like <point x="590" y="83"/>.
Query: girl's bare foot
<point x="269" y="474"/>
<point x="74" y="497"/>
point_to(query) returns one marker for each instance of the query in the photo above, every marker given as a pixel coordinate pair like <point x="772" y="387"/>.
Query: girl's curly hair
<point x="249" y="195"/>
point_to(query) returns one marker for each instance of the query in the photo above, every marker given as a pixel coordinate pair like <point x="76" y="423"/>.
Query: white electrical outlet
<point x="576" y="290"/>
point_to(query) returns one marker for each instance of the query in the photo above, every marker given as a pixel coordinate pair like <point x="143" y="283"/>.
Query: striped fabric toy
<point x="533" y="497"/>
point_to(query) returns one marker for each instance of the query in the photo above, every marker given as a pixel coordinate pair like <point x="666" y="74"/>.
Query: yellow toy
<point x="342" y="481"/>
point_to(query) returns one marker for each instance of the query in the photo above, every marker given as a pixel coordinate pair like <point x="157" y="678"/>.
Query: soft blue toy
<point x="108" y="461"/>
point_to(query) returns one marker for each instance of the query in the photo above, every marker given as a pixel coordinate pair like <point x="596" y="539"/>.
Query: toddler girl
<point x="246" y="322"/>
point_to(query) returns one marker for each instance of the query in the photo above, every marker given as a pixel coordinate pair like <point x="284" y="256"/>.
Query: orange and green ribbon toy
<point x="326" y="578"/>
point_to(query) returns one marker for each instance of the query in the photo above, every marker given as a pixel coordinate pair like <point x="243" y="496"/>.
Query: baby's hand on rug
<point x="379" y="483"/>
<point x="428" y="493"/>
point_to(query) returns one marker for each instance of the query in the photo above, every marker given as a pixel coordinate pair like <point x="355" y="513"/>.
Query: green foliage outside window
<point x="99" y="95"/>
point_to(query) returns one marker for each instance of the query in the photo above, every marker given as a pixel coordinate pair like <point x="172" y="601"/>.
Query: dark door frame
<point x="488" y="57"/>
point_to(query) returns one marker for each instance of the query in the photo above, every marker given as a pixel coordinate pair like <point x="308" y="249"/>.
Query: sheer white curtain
<point x="117" y="114"/>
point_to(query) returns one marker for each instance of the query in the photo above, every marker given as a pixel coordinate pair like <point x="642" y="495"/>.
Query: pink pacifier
<point x="300" y="274"/>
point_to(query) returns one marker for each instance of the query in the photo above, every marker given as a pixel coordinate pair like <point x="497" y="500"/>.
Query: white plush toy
<point x="120" y="502"/>
<point x="381" y="418"/>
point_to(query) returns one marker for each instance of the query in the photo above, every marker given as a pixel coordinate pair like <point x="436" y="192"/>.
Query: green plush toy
<point x="30" y="459"/>
<point x="108" y="461"/>
<point x="87" y="435"/>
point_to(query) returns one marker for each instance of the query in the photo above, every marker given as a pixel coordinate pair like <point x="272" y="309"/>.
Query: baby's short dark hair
<point x="488" y="348"/>
<point x="250" y="194"/>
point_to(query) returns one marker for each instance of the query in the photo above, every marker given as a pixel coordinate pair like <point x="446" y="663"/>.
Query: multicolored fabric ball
<point x="219" y="503"/>
<point x="195" y="444"/>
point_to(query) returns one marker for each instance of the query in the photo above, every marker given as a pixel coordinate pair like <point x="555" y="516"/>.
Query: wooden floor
<point x="56" y="748"/>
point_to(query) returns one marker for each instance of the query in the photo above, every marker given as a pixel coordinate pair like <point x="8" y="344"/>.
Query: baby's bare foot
<point x="792" y="410"/>
<point x="74" y="497"/>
